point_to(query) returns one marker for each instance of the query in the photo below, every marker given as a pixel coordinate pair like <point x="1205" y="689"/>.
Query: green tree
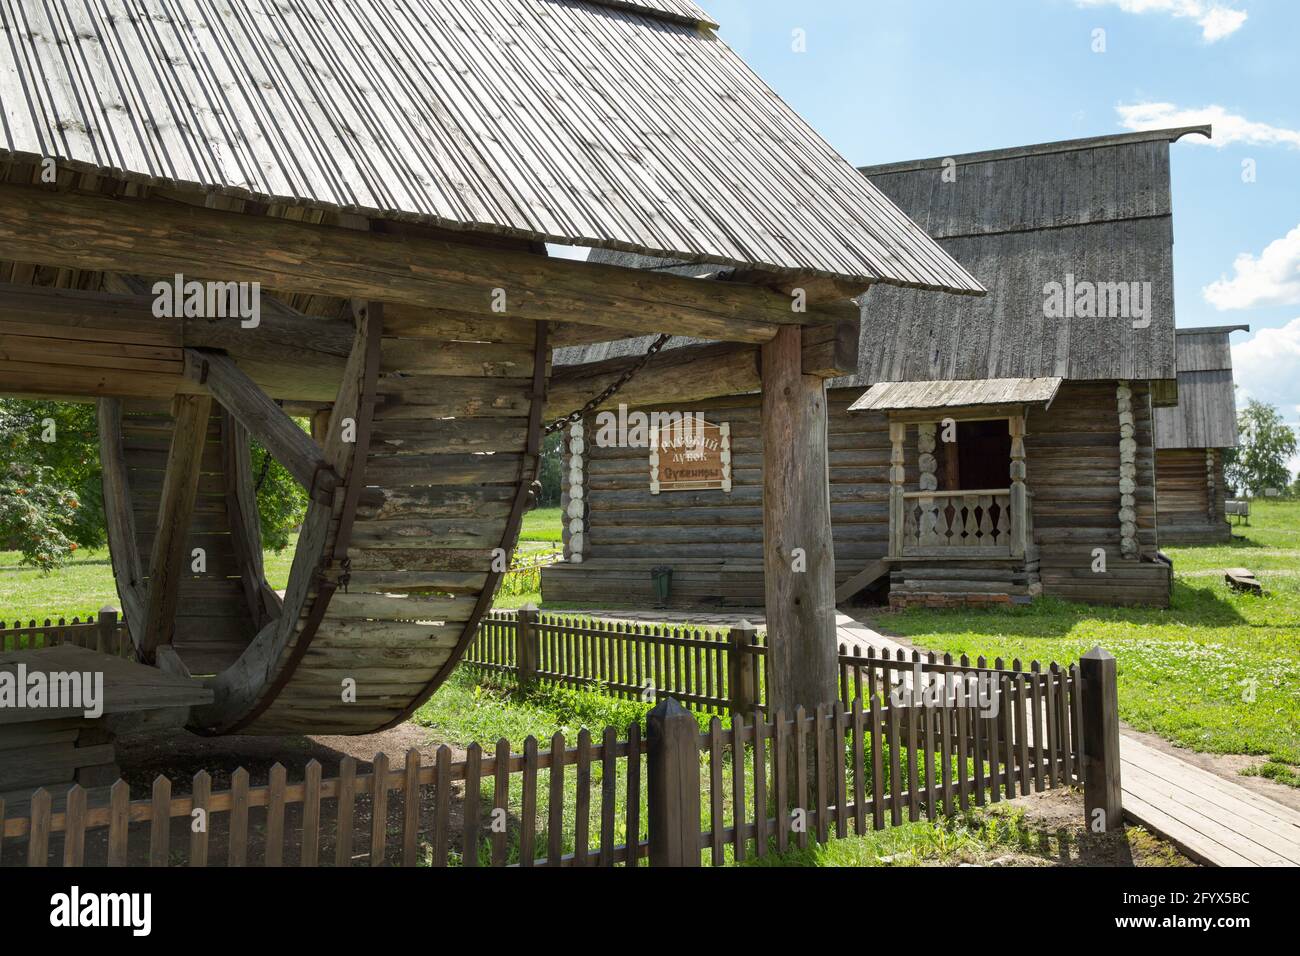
<point x="1267" y="445"/>
<point x="552" y="470"/>
<point x="281" y="501"/>
<point x="51" y="499"/>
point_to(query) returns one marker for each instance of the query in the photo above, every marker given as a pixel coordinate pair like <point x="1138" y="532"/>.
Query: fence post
<point x="1101" y="781"/>
<point x="106" y="630"/>
<point x="740" y="671"/>
<point x="526" y="645"/>
<point x="673" y="784"/>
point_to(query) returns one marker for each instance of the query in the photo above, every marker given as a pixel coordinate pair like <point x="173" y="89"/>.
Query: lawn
<point x="1219" y="671"/>
<point x="86" y="584"/>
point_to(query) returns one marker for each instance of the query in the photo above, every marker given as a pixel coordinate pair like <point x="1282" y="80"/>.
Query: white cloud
<point x="1229" y="128"/>
<point x="1272" y="278"/>
<point x="1216" y="20"/>
<point x="1267" y="368"/>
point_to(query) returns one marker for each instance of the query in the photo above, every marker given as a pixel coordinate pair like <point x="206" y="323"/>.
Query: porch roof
<point x="893" y="396"/>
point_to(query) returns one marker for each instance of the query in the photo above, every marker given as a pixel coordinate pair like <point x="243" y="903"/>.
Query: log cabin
<point x="1192" y="437"/>
<point x="983" y="451"/>
<point x="381" y="179"/>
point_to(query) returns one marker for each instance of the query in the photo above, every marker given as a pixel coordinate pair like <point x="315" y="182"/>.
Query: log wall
<point x="713" y="541"/>
<point x="1190" y="496"/>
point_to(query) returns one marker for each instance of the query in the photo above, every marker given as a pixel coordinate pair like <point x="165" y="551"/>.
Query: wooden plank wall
<point x="1183" y="497"/>
<point x="1073" y="471"/>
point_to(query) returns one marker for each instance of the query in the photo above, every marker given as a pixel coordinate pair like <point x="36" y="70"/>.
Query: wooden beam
<point x="873" y="572"/>
<point x="245" y="525"/>
<point x="96" y="342"/>
<point x="266" y="421"/>
<point x="119" y="516"/>
<point x="798" y="556"/>
<point x="151" y="238"/>
<point x="695" y="373"/>
<point x="175" y="509"/>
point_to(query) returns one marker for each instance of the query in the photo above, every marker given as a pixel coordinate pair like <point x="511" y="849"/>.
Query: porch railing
<point x="977" y="523"/>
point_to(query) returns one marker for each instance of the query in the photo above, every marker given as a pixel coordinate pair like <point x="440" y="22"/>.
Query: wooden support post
<point x="1102" y="797"/>
<point x="175" y="509"/>
<point x="106" y="631"/>
<point x="265" y="420"/>
<point x="526" y="646"/>
<point x="1020" y="542"/>
<point x="897" y="476"/>
<point x="798" y="555"/>
<point x="741" y="685"/>
<point x="674" y="785"/>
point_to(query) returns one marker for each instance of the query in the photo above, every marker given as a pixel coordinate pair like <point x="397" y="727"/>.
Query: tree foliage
<point x="51" y="491"/>
<point x="1267" y="445"/>
<point x="281" y="501"/>
<point x="51" y="498"/>
<point x="552" y="470"/>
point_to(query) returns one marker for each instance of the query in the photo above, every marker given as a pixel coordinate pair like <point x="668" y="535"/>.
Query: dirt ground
<point x="1060" y="838"/>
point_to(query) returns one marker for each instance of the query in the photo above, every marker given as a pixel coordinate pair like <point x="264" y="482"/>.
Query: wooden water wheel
<point x="418" y="487"/>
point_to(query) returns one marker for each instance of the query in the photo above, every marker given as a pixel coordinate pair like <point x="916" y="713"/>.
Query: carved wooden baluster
<point x="1004" y="519"/>
<point x="985" y="520"/>
<point x="969" y="503"/>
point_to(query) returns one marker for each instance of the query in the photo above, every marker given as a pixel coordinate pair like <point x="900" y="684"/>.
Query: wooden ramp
<point x="1214" y="821"/>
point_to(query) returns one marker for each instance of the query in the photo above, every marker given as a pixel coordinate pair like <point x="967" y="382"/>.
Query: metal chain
<point x="610" y="390"/>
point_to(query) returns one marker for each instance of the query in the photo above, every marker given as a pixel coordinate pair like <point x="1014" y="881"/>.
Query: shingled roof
<point x="1097" y="208"/>
<point x="622" y="124"/>
<point x="1092" y="210"/>
<point x="1206" y="414"/>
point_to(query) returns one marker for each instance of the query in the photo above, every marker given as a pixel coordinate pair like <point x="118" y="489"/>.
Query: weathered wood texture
<point x="863" y="762"/>
<point x="401" y="133"/>
<point x="1191" y="495"/>
<point x="798" y="557"/>
<point x="58" y="229"/>
<point x="697" y="372"/>
<point x="74" y="343"/>
<point x="180" y="487"/>
<point x="211" y="620"/>
<point x="1020" y="218"/>
<point x="714" y="540"/>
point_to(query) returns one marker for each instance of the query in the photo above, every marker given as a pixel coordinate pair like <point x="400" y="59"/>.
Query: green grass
<point x="1219" y="671"/>
<point x="967" y="838"/>
<point x="542" y="525"/>
<point x="84" y="586"/>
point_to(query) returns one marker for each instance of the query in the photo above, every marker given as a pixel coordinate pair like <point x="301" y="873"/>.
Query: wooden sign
<point x="691" y="455"/>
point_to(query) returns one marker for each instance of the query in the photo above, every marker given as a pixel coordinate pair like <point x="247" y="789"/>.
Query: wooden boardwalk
<point x="1214" y="821"/>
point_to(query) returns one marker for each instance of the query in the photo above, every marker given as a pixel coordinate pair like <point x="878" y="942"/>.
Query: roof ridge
<point x="1171" y="135"/>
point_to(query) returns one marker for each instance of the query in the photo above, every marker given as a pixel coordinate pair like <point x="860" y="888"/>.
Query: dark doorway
<point x="979" y="459"/>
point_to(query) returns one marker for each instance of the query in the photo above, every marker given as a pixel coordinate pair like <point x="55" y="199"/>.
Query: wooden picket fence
<point x="345" y="820"/>
<point x="107" y="634"/>
<point x="712" y="670"/>
<point x="623" y="659"/>
<point x="901" y="752"/>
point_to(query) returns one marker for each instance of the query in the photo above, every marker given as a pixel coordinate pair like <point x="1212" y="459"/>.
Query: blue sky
<point x="888" y="80"/>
